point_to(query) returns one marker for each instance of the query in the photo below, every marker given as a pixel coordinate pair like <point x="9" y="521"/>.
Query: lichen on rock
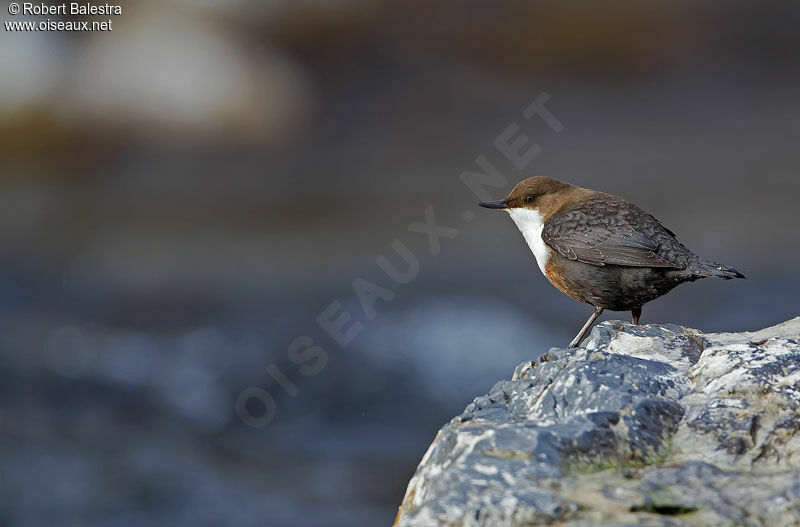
<point x="641" y="425"/>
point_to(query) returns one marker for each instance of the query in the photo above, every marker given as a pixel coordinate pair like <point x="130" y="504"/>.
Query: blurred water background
<point x="182" y="197"/>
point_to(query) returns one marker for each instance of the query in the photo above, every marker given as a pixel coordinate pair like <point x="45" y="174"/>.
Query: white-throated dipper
<point x="601" y="249"/>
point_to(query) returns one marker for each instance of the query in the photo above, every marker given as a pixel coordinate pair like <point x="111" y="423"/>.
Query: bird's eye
<point x="529" y="199"/>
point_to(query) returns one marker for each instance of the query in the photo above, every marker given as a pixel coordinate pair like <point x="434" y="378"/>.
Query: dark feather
<point x="611" y="231"/>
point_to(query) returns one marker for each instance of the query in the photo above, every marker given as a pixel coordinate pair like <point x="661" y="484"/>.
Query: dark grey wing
<point x="609" y="230"/>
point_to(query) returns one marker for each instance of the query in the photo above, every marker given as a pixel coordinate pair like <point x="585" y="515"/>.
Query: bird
<point x="601" y="249"/>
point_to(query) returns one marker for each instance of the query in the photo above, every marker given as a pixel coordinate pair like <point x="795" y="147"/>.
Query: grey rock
<point x="642" y="425"/>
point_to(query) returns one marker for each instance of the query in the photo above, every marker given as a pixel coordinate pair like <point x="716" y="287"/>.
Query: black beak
<point x="493" y="204"/>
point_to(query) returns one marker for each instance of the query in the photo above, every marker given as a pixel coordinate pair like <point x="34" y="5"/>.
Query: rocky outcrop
<point x="641" y="425"/>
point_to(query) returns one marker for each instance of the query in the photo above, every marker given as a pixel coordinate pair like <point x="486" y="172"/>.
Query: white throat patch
<point x="530" y="223"/>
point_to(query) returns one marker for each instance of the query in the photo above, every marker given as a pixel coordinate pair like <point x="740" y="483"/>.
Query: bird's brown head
<point x="543" y="194"/>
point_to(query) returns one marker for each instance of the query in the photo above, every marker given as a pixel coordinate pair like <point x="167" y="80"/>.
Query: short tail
<point x="704" y="268"/>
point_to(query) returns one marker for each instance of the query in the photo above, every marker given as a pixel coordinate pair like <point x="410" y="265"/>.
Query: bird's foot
<point x="585" y="329"/>
<point x="635" y="314"/>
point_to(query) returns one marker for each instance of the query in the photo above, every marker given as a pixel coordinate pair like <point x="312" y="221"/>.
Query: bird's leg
<point x="636" y="312"/>
<point x="577" y="340"/>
